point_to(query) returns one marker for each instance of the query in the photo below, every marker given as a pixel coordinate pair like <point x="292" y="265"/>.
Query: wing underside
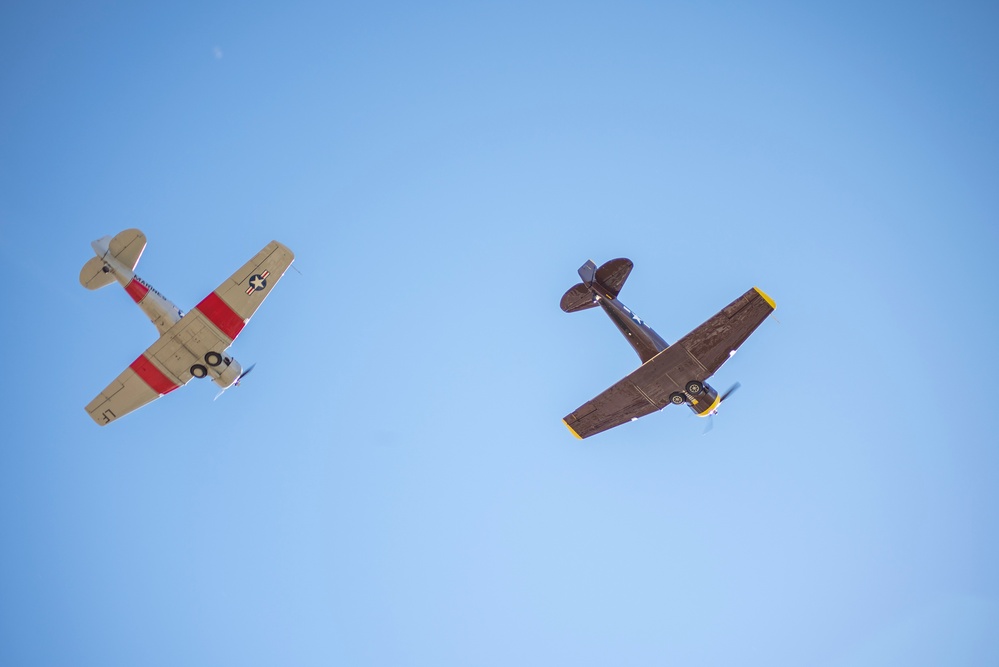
<point x="141" y="383"/>
<point x="696" y="356"/>
<point x="231" y="305"/>
<point x="166" y="365"/>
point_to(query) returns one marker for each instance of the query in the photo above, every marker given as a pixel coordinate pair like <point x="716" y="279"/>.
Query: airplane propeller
<point x="236" y="383"/>
<point x="711" y="417"/>
<point x="252" y="366"/>
<point x="731" y="390"/>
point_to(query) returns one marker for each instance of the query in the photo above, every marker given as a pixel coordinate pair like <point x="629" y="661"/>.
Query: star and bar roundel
<point x="258" y="281"/>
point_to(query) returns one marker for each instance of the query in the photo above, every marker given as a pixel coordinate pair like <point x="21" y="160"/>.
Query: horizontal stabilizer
<point x="94" y="276"/>
<point x="579" y="297"/>
<point x="127" y="247"/>
<point x="611" y="275"/>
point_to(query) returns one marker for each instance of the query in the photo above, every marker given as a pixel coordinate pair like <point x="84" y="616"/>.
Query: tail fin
<point x="127" y="247"/>
<point x="124" y="250"/>
<point x="607" y="280"/>
<point x="95" y="274"/>
<point x="612" y="275"/>
<point x="579" y="297"/>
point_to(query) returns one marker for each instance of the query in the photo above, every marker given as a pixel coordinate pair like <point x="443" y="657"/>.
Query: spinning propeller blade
<point x="247" y="372"/>
<point x="236" y="383"/>
<point x="711" y="417"/>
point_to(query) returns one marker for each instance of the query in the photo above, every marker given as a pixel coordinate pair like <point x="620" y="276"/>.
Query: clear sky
<point x="393" y="484"/>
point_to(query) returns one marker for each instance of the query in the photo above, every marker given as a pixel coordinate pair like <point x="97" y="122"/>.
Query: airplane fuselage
<point x="160" y="310"/>
<point x="642" y="337"/>
<point x="647" y="343"/>
<point x="163" y="313"/>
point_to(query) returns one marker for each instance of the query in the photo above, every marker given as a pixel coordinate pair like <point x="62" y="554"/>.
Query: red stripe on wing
<point x="221" y="315"/>
<point x="152" y="376"/>
<point x="136" y="290"/>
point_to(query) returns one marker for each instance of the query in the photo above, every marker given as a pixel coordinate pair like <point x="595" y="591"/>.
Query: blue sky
<point x="393" y="485"/>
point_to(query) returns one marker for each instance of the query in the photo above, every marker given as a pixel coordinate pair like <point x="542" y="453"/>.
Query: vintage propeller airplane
<point x="675" y="373"/>
<point x="191" y="345"/>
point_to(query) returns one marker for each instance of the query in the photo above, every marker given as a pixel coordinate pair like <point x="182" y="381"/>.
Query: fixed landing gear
<point x="213" y="359"/>
<point x="692" y="390"/>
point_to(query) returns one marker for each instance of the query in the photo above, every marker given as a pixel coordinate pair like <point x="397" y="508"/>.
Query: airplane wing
<point x="711" y="344"/>
<point x="230" y="306"/>
<point x="696" y="356"/>
<point x="210" y="327"/>
<point x="142" y="382"/>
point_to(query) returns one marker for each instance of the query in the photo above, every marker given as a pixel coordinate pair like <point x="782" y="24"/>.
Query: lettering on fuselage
<point x="148" y="286"/>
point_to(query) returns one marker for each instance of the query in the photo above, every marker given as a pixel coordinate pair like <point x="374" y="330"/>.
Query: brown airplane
<point x="675" y="373"/>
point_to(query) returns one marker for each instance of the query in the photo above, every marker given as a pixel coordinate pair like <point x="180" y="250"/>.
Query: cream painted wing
<point x="230" y="306"/>
<point x="165" y="366"/>
<point x="141" y="383"/>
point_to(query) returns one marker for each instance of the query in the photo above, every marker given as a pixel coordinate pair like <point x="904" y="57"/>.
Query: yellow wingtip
<point x="575" y="435"/>
<point x="766" y="297"/>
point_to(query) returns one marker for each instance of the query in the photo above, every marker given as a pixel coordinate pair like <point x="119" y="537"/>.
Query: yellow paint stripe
<point x="570" y="430"/>
<point x="711" y="407"/>
<point x="766" y="298"/>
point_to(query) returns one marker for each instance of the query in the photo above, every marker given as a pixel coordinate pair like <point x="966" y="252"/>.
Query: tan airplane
<point x="192" y="345"/>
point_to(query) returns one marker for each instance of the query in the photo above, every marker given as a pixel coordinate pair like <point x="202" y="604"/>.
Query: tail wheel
<point x="199" y="371"/>
<point x="694" y="387"/>
<point x="213" y="358"/>
<point x="677" y="398"/>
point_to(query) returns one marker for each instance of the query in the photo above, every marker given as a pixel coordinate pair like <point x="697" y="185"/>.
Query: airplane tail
<point x="579" y="297"/>
<point x="95" y="274"/>
<point x="612" y="275"/>
<point x="123" y="249"/>
<point x="605" y="281"/>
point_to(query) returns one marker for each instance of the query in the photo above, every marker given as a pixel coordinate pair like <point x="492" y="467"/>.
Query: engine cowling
<point x="704" y="403"/>
<point x="226" y="372"/>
